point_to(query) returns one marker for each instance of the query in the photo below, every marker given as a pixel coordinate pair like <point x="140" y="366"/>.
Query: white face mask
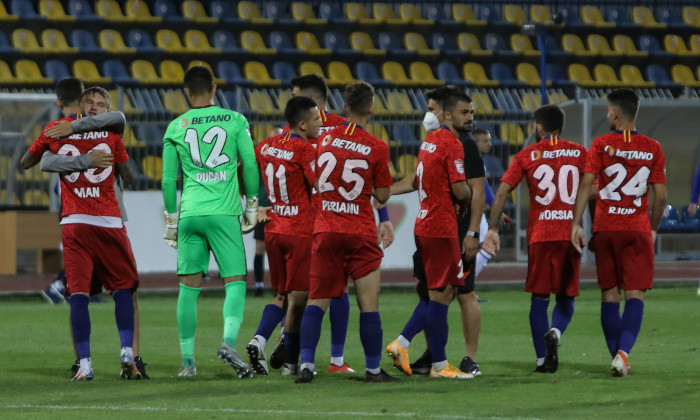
<point x="430" y="121"/>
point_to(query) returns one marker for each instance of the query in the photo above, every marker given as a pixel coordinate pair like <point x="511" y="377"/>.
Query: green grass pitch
<point x="665" y="381"/>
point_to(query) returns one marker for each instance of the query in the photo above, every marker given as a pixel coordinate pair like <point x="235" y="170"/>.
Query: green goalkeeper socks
<point x="187" y="321"/>
<point x="234" y="304"/>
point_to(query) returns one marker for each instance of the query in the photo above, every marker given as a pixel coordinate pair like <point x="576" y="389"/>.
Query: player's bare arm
<point x="657" y="208"/>
<point x="492" y="241"/>
<point x="406" y="185"/>
<point x="578" y="237"/>
<point x="61" y="129"/>
<point x="478" y="199"/>
<point x="28" y="160"/>
<point x="125" y="172"/>
<point x="380" y="194"/>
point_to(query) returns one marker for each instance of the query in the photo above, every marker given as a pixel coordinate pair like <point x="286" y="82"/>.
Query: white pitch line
<point x="251" y="411"/>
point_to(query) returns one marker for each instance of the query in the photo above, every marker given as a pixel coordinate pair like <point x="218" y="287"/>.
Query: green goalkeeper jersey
<point x="207" y="143"/>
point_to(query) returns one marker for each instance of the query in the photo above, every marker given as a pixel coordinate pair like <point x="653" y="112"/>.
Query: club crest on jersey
<point x="459" y="165"/>
<point x="610" y="150"/>
<point x="263" y="149"/>
<point x="535" y="155"/>
<point x="327" y="140"/>
<point x="184" y="122"/>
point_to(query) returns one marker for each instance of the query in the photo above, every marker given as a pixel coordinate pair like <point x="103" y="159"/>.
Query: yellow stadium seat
<point x="169" y="41"/>
<point x="86" y="70"/>
<point x="407" y="164"/>
<point x="514" y="14"/>
<point x="339" y="73"/>
<point x="579" y="73"/>
<point x="379" y="131"/>
<point x="682" y="74"/>
<point x="573" y="44"/>
<point x="5" y="164"/>
<point x="6" y="76"/>
<point x="483" y="105"/>
<point x="35" y="197"/>
<point x="416" y="43"/>
<point x="53" y="10"/>
<point x="624" y="45"/>
<point x="540" y="14"/>
<point x="307" y="42"/>
<point x="676" y="45"/>
<point x="642" y="15"/>
<point x="531" y="101"/>
<point x="110" y="10"/>
<point x="152" y="167"/>
<point x="172" y="72"/>
<point x="253" y="42"/>
<point x="469" y="43"/>
<point x="217" y="80"/>
<point x="392" y="170"/>
<point x="691" y="16"/>
<point x="398" y="103"/>
<point x="257" y="72"/>
<point x="249" y="11"/>
<point x="33" y="174"/>
<point x="409" y="13"/>
<point x="526" y="72"/>
<point x="126" y="105"/>
<point x="422" y="74"/>
<point x="26" y="41"/>
<point x="357" y="13"/>
<point x="197" y="41"/>
<point x="385" y="13"/>
<point x="130" y="139"/>
<point x="513" y="134"/>
<point x="606" y="76"/>
<point x="53" y="40"/>
<point x="145" y="72"/>
<point x="522" y="44"/>
<point x="194" y="11"/>
<point x="304" y="13"/>
<point x="597" y="44"/>
<point x="379" y="108"/>
<point x="394" y="72"/>
<point x="27" y="71"/>
<point x="631" y="76"/>
<point x="361" y="41"/>
<point x="475" y="73"/>
<point x="557" y="98"/>
<point x="591" y="15"/>
<point x="13" y="200"/>
<point x="175" y="101"/>
<point x="261" y="102"/>
<point x="310" y="67"/>
<point x="137" y="10"/>
<point x="113" y="42"/>
<point x="6" y="17"/>
<point x="283" y="97"/>
<point x="463" y="13"/>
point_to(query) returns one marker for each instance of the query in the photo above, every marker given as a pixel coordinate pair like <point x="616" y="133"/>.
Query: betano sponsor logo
<point x="628" y="154"/>
<point x="554" y="154"/>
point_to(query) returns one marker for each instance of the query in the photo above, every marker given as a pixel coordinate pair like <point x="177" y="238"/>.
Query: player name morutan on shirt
<point x="90" y="192"/>
<point x="208" y="141"/>
<point x="552" y="168"/>
<point x="440" y="164"/>
<point x="350" y="162"/>
<point x="625" y="162"/>
<point x="288" y="163"/>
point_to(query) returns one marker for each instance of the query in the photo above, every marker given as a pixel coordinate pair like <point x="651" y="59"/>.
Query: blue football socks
<point x="539" y="324"/>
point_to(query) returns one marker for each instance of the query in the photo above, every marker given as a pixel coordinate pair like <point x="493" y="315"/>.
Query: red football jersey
<point x="625" y="162"/>
<point x="329" y="121"/>
<point x="350" y="163"/>
<point x="288" y="162"/>
<point x="552" y="169"/>
<point x="440" y="164"/>
<point x="90" y="192"/>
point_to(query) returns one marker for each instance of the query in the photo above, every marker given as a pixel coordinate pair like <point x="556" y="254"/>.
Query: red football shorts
<point x="106" y="252"/>
<point x="553" y="267"/>
<point x="289" y="258"/>
<point x="442" y="261"/>
<point x="335" y="256"/>
<point x="624" y="259"/>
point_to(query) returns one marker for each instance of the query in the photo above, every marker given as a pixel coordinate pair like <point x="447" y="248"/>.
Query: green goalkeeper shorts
<point x="197" y="235"/>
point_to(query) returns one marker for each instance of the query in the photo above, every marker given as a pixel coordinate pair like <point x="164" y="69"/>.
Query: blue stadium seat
<point x="84" y="40"/>
<point x="25" y="10"/>
<point x="236" y="101"/>
<point x="338" y="43"/>
<point x="569" y="15"/>
<point x="406" y="134"/>
<point x="116" y="70"/>
<point x="503" y="74"/>
<point x="5" y="46"/>
<point x="332" y="11"/>
<point x="439" y="13"/>
<point x="555" y="74"/>
<point x="277" y="10"/>
<point x="390" y="42"/>
<point x="553" y="48"/>
<point x="229" y="71"/>
<point x="444" y="44"/>
<point x="283" y="71"/>
<point x="224" y="11"/>
<point x="280" y="41"/>
<point x="56" y="69"/>
<point x="620" y="17"/>
<point x="672" y="17"/>
<point x="417" y="99"/>
<point x="650" y="44"/>
<point x="670" y="221"/>
<point x="496" y="43"/>
<point x="82" y="10"/>
<point x="227" y="42"/>
<point x="168" y="12"/>
<point x="140" y="40"/>
<point x="491" y="14"/>
<point x="447" y="71"/>
<point x="692" y="222"/>
<point x="364" y="70"/>
<point x="494" y="167"/>
<point x="150" y="133"/>
<point x="658" y="74"/>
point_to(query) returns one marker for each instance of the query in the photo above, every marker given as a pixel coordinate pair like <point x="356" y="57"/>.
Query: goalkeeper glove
<point x="250" y="217"/>
<point x="170" y="235"/>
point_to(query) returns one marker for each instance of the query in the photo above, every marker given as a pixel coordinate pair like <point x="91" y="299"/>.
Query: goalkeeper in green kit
<point x="207" y="142"/>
